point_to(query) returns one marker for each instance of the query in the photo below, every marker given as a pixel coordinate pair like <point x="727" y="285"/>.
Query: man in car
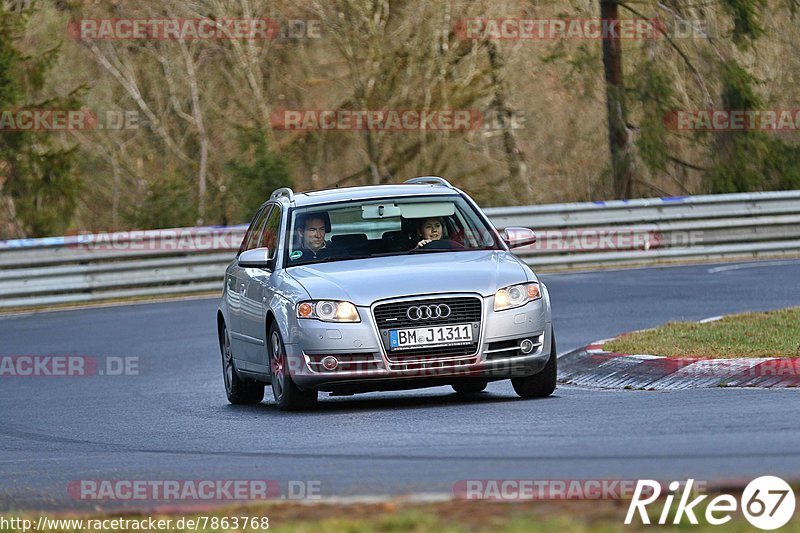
<point x="311" y="230"/>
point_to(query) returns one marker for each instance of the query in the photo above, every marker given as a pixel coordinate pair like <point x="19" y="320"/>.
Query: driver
<point x="429" y="229"/>
<point x="311" y="230"/>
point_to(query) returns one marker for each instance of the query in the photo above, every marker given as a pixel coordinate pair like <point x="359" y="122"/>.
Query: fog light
<point x="526" y="346"/>
<point x="330" y="363"/>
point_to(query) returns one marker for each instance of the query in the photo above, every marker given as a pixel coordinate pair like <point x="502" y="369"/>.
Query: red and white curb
<point x="593" y="366"/>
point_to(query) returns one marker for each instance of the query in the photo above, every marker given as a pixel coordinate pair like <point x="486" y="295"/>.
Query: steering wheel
<point x="442" y="244"/>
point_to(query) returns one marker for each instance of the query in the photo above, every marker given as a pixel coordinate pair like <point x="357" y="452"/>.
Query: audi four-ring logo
<point x="428" y="312"/>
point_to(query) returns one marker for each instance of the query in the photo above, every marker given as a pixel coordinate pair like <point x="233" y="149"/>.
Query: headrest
<point x="354" y="239"/>
<point x="399" y="239"/>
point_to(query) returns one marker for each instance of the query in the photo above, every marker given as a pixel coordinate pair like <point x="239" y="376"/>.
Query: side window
<point x="270" y="235"/>
<point x="254" y="231"/>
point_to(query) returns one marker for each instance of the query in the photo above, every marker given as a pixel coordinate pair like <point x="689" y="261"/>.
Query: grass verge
<point x="767" y="334"/>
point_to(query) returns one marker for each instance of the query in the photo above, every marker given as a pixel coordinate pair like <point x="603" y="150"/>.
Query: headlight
<point x="516" y="296"/>
<point x="328" y="311"/>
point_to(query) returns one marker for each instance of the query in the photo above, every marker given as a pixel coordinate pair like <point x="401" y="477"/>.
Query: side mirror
<point x="518" y="237"/>
<point x="255" y="258"/>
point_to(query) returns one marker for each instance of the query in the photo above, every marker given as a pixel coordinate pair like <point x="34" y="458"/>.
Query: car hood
<point x="363" y="281"/>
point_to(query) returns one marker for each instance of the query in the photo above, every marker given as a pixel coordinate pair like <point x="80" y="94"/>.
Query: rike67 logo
<point x="767" y="502"/>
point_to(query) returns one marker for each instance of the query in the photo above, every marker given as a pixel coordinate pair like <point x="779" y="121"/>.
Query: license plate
<point x="453" y="335"/>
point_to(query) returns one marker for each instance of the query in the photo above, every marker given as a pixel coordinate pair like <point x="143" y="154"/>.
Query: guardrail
<point x="84" y="268"/>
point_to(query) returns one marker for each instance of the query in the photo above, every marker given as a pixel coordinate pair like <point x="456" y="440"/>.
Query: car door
<point x="258" y="294"/>
<point x="236" y="287"/>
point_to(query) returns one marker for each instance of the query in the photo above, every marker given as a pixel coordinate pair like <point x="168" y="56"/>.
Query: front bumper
<point x="364" y="365"/>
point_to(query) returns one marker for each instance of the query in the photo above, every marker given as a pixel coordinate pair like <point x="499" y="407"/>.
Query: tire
<point x="542" y="384"/>
<point x="470" y="387"/>
<point x="238" y="391"/>
<point x="288" y="397"/>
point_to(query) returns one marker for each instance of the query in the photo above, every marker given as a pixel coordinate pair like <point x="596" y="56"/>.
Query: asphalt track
<point x="172" y="420"/>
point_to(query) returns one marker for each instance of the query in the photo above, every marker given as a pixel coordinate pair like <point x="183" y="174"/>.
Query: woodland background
<point x="204" y="151"/>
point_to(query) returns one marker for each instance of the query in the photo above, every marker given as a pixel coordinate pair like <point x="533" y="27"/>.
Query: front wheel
<point x="542" y="384"/>
<point x="238" y="391"/>
<point x="288" y="397"/>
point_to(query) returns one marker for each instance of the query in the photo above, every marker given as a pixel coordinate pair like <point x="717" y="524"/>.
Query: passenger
<point x="429" y="229"/>
<point x="311" y="230"/>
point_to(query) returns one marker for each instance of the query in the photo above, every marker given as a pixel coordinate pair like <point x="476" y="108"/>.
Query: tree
<point x="618" y="137"/>
<point x="36" y="169"/>
<point x="734" y="161"/>
<point x="255" y="174"/>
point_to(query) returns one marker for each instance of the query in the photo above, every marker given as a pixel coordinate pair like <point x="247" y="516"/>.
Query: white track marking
<point x="741" y="266"/>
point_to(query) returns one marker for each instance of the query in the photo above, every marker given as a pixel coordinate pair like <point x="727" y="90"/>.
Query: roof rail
<point x="283" y="192"/>
<point x="429" y="180"/>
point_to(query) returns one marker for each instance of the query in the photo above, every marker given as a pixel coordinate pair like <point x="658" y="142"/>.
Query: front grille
<point x="463" y="310"/>
<point x="432" y="364"/>
<point x="416" y="354"/>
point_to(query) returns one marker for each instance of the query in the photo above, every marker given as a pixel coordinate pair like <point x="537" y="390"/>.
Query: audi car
<point x="382" y="287"/>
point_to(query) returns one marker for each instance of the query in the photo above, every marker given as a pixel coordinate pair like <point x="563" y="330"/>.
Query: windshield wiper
<point x="434" y="250"/>
<point x="320" y="260"/>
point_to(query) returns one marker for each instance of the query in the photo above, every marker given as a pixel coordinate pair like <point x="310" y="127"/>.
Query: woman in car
<point x="429" y="229"/>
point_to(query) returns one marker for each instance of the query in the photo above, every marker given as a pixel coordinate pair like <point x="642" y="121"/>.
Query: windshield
<point x="359" y="229"/>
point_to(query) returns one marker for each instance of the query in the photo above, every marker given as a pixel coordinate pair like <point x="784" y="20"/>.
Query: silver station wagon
<point x="381" y="288"/>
